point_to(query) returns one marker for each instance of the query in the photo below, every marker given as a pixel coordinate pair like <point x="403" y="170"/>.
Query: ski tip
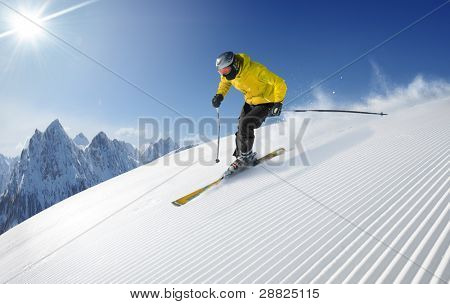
<point x="176" y="204"/>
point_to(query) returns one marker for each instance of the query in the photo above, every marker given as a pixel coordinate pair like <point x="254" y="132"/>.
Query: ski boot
<point x="243" y="161"/>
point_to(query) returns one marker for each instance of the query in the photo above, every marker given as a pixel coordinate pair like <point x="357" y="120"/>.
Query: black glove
<point x="217" y="99"/>
<point x="276" y="109"/>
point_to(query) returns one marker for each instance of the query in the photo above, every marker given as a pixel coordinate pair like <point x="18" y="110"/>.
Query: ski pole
<point x="218" y="135"/>
<point x="338" y="111"/>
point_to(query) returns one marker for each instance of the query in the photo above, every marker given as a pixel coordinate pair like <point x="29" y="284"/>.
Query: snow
<point x="371" y="207"/>
<point x="53" y="167"/>
<point x="6" y="165"/>
<point x="158" y="149"/>
<point x="81" y="141"/>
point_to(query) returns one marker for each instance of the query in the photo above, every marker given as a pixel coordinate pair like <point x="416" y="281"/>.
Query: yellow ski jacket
<point x="256" y="82"/>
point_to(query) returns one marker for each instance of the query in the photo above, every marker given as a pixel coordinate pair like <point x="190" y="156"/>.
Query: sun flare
<point x="27" y="28"/>
<point x="28" y="24"/>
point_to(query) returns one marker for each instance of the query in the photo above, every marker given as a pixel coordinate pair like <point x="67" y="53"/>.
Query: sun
<point x="27" y="27"/>
<point x="28" y="23"/>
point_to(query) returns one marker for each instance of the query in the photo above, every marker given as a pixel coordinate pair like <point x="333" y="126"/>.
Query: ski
<point x="187" y="198"/>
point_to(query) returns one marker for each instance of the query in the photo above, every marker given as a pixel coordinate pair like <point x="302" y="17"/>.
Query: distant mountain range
<point x="53" y="167"/>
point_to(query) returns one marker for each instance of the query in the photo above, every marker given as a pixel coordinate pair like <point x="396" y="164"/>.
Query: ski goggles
<point x="225" y="70"/>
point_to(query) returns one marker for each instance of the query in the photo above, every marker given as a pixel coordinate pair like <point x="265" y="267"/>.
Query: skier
<point x="264" y="93"/>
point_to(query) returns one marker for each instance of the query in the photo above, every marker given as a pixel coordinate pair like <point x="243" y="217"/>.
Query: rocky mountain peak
<point x="52" y="167"/>
<point x="81" y="140"/>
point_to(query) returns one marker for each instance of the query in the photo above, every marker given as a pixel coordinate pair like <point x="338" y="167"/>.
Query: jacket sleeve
<point x="278" y="83"/>
<point x="224" y="86"/>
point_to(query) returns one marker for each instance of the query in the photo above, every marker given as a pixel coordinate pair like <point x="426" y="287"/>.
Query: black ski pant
<point x="251" y="118"/>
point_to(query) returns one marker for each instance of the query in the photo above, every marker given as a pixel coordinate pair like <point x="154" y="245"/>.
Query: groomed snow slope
<point x="371" y="207"/>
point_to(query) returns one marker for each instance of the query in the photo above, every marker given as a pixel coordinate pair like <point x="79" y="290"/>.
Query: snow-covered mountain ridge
<point x="81" y="141"/>
<point x="6" y="165"/>
<point x="371" y="207"/>
<point x="53" y="167"/>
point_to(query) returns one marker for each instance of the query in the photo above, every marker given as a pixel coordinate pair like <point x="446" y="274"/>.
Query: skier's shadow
<point x="294" y="162"/>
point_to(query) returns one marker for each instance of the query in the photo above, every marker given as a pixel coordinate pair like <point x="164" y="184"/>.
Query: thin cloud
<point x="126" y="132"/>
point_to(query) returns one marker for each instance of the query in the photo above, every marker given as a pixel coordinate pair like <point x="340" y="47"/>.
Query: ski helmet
<point x="227" y="65"/>
<point x="224" y="60"/>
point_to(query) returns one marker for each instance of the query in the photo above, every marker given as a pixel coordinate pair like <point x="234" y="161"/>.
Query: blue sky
<point x="168" y="48"/>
